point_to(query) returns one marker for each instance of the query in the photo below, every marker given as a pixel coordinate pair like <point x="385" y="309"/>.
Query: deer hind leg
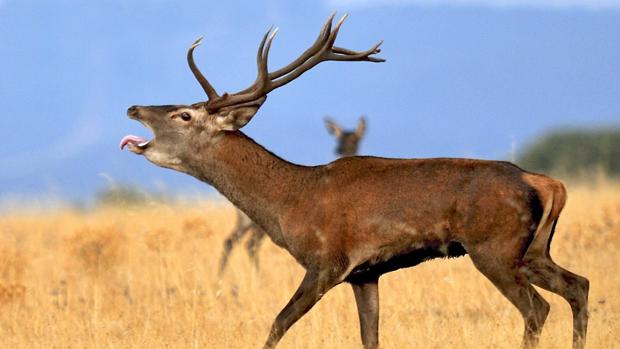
<point x="515" y="287"/>
<point x="574" y="288"/>
<point x="367" y="300"/>
<point x="542" y="271"/>
<point x="310" y="291"/>
<point x="229" y="244"/>
<point x="253" y="245"/>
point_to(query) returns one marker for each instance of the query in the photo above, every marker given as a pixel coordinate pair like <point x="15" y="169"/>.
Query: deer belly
<point x="386" y="261"/>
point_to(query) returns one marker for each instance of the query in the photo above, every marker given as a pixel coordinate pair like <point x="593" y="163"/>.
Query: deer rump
<point x="420" y="209"/>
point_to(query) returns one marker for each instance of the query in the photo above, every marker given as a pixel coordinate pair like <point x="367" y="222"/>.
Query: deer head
<point x="183" y="130"/>
<point x="348" y="141"/>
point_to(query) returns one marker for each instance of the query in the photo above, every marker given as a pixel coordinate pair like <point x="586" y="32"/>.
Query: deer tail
<point x="554" y="203"/>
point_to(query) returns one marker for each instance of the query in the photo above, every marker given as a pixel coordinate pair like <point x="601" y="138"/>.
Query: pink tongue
<point x="131" y="139"/>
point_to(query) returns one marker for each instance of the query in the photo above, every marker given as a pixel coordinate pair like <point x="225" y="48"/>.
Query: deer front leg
<point x="367" y="298"/>
<point x="230" y="242"/>
<point x="254" y="243"/>
<point x="312" y="288"/>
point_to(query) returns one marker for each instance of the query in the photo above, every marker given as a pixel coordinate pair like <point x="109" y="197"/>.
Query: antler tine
<point x="259" y="60"/>
<point x="343" y="54"/>
<point x="259" y="54"/>
<point x="206" y="86"/>
<point x="334" y="33"/>
<point x="263" y="72"/>
<point x="261" y="85"/>
<point x="312" y="50"/>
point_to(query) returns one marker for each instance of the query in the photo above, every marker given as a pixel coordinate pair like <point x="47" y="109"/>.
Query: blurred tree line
<point x="574" y="153"/>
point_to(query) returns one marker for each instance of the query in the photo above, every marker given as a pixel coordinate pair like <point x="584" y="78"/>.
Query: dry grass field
<point x="145" y="277"/>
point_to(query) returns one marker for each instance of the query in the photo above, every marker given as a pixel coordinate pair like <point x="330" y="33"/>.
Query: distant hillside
<point x="575" y="152"/>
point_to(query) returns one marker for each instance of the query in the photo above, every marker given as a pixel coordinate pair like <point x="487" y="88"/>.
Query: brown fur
<point x="347" y="145"/>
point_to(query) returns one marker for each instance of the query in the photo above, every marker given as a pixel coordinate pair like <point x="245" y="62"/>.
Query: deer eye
<point x="185" y="117"/>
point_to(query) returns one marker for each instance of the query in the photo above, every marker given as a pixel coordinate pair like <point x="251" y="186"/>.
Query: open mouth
<point x="135" y="144"/>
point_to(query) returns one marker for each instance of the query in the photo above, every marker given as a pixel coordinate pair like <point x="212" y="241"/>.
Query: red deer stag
<point x="347" y="144"/>
<point x="360" y="217"/>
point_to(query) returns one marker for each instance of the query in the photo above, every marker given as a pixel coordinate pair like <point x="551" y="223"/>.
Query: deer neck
<point x="255" y="180"/>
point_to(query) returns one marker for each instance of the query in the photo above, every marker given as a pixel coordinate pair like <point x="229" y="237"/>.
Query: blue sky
<point x="463" y="78"/>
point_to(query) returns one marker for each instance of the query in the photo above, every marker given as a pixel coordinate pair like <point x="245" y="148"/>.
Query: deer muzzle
<point x="135" y="144"/>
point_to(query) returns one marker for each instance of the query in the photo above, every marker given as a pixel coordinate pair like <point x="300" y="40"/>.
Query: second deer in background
<point x="347" y="145"/>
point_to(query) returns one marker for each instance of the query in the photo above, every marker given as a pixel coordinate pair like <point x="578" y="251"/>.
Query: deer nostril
<point x="133" y="110"/>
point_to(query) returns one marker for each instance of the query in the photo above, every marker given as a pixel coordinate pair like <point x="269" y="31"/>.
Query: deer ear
<point x="333" y="128"/>
<point x="236" y="118"/>
<point x="361" y="126"/>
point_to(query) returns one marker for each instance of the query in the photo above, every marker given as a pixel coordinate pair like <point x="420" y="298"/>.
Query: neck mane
<point x="254" y="179"/>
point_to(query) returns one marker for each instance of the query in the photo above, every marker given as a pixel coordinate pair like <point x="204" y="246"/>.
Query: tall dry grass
<point x="145" y="277"/>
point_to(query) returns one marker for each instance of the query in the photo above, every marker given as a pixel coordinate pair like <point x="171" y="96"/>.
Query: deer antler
<point x="210" y="91"/>
<point x="321" y="50"/>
